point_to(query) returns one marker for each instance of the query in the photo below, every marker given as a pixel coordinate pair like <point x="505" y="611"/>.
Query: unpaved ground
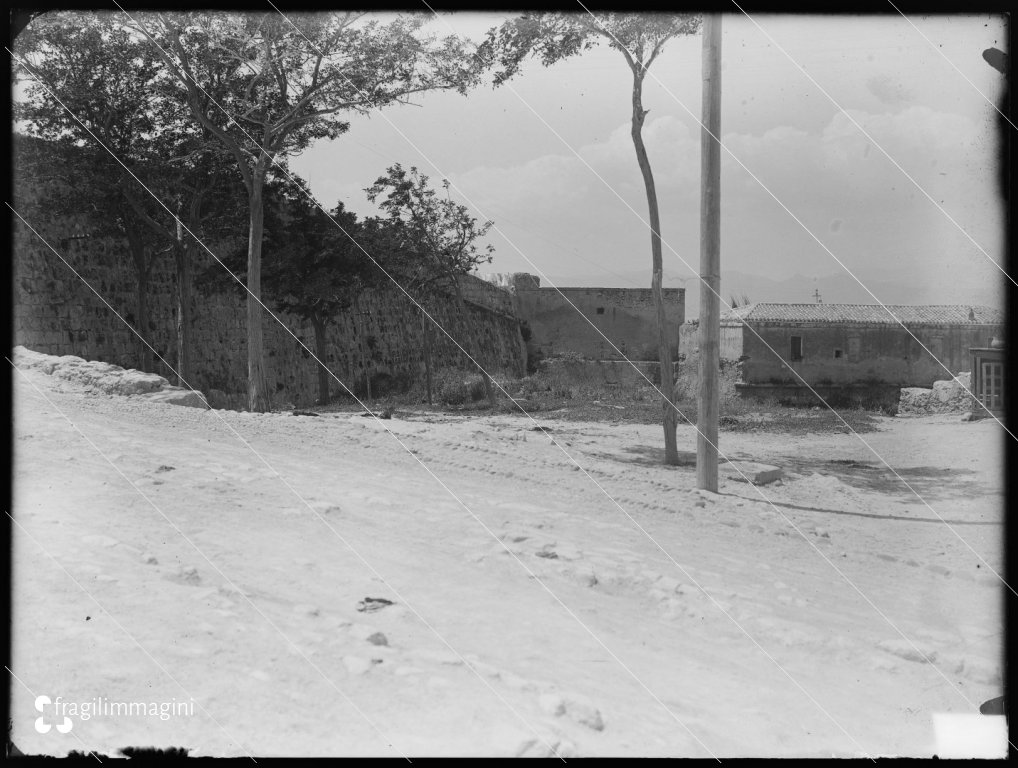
<point x="538" y="606"/>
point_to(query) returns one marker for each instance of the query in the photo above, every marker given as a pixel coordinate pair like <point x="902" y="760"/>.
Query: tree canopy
<point x="552" y="37"/>
<point x="436" y="232"/>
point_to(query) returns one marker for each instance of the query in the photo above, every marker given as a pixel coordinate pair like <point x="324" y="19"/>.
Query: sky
<point x="837" y="176"/>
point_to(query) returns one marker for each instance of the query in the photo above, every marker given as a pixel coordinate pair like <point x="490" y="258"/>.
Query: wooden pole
<point x="710" y="258"/>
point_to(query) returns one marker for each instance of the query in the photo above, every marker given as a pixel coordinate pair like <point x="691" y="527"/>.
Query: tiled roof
<point x="908" y="314"/>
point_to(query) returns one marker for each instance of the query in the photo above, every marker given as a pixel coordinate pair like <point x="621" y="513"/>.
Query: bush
<point x="533" y="384"/>
<point x="534" y="358"/>
<point x="889" y="409"/>
<point x="565" y="392"/>
<point x="456" y="387"/>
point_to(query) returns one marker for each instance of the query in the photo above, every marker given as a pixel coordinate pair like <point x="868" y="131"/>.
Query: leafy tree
<point x="640" y="38"/>
<point x="438" y="240"/>
<point x="313" y="269"/>
<point x="267" y="86"/>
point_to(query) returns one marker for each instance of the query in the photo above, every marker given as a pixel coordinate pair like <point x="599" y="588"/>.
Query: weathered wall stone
<point x="599" y="323"/>
<point x="58" y="312"/>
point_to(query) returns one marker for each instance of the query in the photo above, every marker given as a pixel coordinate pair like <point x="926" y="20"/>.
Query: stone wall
<point x="484" y="293"/>
<point x="594" y="323"/>
<point x="55" y="312"/>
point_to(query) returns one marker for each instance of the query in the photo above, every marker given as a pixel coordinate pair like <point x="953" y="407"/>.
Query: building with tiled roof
<point x="891" y="314"/>
<point x="855" y="344"/>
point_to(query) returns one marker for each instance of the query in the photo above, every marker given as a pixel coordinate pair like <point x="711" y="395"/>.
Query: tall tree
<point x="267" y="86"/>
<point x="442" y="238"/>
<point x="640" y="38"/>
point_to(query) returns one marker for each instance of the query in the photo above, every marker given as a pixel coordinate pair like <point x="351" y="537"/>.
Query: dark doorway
<point x="796" y="348"/>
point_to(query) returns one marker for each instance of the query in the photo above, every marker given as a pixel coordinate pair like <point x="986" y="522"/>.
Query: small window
<point x="796" y="348"/>
<point x="600" y="310"/>
<point x="837" y="354"/>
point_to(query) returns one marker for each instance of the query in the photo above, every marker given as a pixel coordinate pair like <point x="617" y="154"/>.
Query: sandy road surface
<point x="604" y="609"/>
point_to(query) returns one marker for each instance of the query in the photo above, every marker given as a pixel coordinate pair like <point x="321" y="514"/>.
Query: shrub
<point x="534" y="358"/>
<point x="455" y="387"/>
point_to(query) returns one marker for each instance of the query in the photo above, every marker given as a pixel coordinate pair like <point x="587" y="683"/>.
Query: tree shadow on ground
<point x="928" y="482"/>
<point x="650" y="456"/>
<point x="849" y="513"/>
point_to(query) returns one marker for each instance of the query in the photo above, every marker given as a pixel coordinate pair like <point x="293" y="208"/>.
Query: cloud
<point x="835" y="180"/>
<point x="890" y="91"/>
<point x="555" y="178"/>
<point x="839" y="163"/>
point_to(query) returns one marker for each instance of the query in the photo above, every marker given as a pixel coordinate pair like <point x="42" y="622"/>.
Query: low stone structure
<point x="105" y="378"/>
<point x="950" y="396"/>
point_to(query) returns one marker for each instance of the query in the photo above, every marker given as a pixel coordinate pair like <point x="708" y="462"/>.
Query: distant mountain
<point x="621" y="279"/>
<point x="798" y="289"/>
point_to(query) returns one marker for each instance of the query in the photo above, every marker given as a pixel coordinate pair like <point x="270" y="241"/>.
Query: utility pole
<point x="710" y="257"/>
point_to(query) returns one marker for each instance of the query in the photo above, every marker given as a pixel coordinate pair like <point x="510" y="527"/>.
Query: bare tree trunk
<point x="664" y="349"/>
<point x="182" y="252"/>
<point x="257" y="391"/>
<point x="318" y="324"/>
<point x="139" y="255"/>
<point x="426" y="331"/>
<point x="146" y="350"/>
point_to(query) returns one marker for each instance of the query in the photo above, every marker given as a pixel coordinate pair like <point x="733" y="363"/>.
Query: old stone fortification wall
<point x="486" y="293"/>
<point x="55" y="312"/>
<point x="594" y="323"/>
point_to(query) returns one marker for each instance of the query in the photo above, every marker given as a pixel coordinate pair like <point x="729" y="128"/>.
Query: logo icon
<point x="41" y="702"/>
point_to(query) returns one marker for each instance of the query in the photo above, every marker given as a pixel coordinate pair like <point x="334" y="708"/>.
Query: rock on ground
<point x="750" y="471"/>
<point x="949" y="396"/>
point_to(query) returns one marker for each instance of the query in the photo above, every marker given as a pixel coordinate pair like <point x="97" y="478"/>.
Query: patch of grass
<point x="555" y="394"/>
<point x="455" y="387"/>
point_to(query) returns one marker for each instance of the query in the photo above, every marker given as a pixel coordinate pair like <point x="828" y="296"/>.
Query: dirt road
<point x="552" y="592"/>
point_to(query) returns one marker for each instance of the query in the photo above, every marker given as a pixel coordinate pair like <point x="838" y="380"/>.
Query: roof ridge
<point x="933" y="314"/>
